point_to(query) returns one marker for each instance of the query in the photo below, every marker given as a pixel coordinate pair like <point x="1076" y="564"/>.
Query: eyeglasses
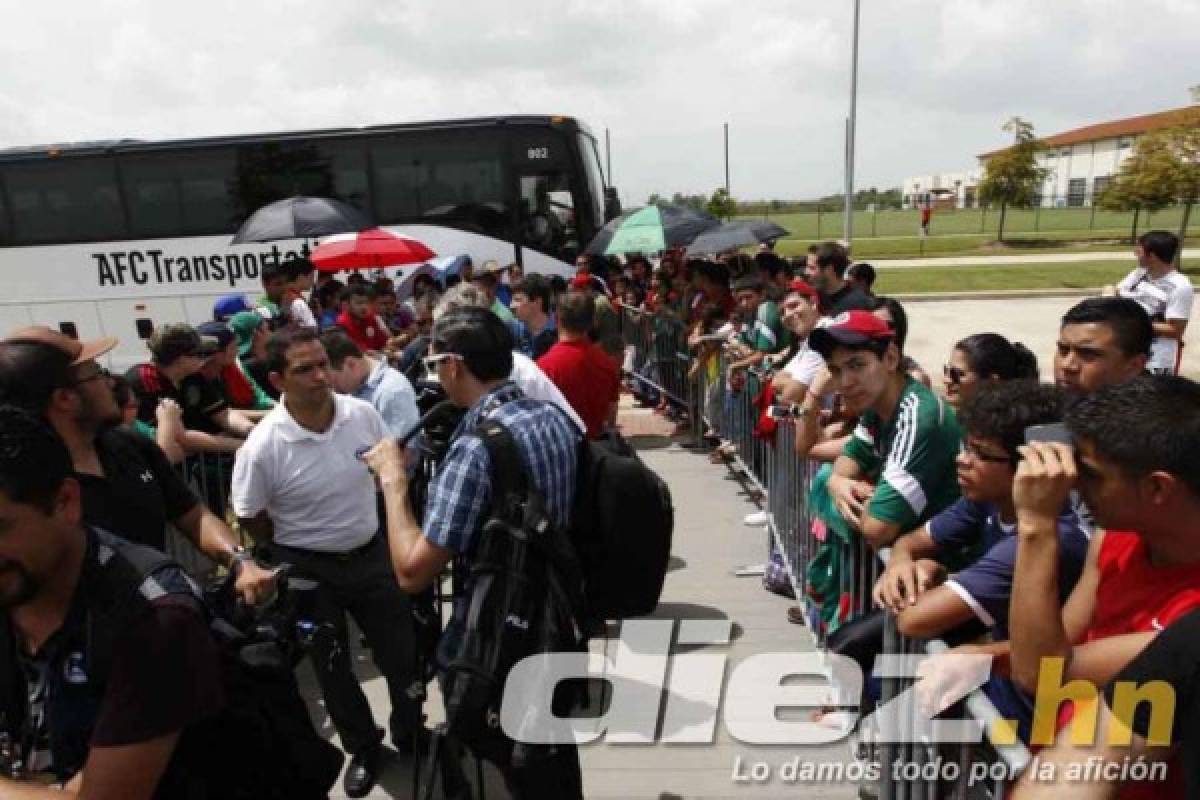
<point x="954" y="374"/>
<point x="431" y="362"/>
<point x="98" y="374"/>
<point x="977" y="453"/>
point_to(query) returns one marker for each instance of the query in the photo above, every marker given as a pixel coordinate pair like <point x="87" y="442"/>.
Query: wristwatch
<point x="239" y="557"/>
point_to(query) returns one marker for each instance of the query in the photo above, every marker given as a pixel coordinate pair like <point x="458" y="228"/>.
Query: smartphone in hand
<point x="1054" y="432"/>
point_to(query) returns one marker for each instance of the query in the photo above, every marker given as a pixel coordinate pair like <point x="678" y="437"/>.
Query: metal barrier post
<point x="696" y="404"/>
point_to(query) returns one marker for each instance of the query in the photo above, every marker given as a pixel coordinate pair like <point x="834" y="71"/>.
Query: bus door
<point x="546" y="225"/>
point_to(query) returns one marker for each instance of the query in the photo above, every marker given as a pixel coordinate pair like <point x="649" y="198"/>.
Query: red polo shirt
<point x="367" y="333"/>
<point x="587" y="377"/>
<point x="1134" y="596"/>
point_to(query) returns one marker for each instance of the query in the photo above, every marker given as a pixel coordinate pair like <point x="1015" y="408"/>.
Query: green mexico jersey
<point x="909" y="457"/>
<point x="766" y="334"/>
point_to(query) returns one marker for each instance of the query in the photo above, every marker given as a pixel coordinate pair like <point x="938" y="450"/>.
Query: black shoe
<point x="363" y="772"/>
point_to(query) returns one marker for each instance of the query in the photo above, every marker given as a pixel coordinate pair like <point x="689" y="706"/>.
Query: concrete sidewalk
<point x="1031" y="258"/>
<point x="710" y="542"/>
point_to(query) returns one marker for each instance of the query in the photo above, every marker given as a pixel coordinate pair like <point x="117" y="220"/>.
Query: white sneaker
<point x="757" y="519"/>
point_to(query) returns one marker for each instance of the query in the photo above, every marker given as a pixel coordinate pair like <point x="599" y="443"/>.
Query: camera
<point x="275" y="635"/>
<point x="784" y="412"/>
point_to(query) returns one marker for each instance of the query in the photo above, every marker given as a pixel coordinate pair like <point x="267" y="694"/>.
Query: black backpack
<point x="524" y="599"/>
<point x="621" y="528"/>
<point x="262" y="744"/>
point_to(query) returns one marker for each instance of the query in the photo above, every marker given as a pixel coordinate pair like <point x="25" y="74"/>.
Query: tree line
<point x="721" y="204"/>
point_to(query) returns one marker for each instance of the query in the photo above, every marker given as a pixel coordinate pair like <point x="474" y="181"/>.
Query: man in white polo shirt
<point x="300" y="484"/>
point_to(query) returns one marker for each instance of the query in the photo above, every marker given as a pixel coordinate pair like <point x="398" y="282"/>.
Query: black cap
<point x="214" y="337"/>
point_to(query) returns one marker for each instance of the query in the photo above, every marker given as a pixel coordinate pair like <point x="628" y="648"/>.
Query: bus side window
<point x="69" y="329"/>
<point x="145" y="327"/>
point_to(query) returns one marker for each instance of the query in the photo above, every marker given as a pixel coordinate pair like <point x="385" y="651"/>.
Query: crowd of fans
<point x="1024" y="520"/>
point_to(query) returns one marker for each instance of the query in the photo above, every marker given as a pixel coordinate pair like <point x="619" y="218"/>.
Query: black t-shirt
<point x="543" y="341"/>
<point x="140" y="492"/>
<point x="258" y="371"/>
<point x="847" y="298"/>
<point x="1174" y="657"/>
<point x="200" y="399"/>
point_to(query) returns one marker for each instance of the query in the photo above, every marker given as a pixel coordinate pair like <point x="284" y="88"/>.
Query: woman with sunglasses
<point x="985" y="357"/>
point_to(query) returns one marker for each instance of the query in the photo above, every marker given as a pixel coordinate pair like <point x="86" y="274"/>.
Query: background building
<point x="1079" y="163"/>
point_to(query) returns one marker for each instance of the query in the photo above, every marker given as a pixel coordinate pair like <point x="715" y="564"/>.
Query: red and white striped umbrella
<point x="374" y="248"/>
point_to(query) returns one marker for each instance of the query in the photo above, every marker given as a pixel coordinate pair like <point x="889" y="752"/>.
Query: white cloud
<point x="937" y="77"/>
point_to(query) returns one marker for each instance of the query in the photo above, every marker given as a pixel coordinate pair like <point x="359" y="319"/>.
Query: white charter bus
<point x="112" y="238"/>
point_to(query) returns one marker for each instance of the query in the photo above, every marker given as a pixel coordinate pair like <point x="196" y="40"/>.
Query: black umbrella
<point x="650" y="229"/>
<point x="735" y="234"/>
<point x="300" y="218"/>
<point x="764" y="229"/>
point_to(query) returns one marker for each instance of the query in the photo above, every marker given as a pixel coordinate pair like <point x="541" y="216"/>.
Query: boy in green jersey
<point x="763" y="330"/>
<point x="898" y="469"/>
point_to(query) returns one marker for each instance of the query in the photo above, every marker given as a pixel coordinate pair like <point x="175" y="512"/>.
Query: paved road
<point x="934" y="326"/>
<point x="1030" y="258"/>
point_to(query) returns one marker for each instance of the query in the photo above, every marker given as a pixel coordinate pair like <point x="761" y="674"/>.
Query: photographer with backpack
<point x="511" y="459"/>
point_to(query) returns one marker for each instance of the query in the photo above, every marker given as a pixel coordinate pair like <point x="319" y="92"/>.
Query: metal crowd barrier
<point x="771" y="467"/>
<point x="956" y="764"/>
<point x="208" y="475"/>
<point x="660" y="357"/>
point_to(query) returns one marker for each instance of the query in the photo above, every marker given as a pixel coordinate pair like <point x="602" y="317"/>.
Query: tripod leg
<point x="427" y="774"/>
<point x="454" y="783"/>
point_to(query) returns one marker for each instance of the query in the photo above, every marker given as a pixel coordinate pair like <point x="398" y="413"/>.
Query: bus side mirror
<point x="612" y="203"/>
<point x="145" y="327"/>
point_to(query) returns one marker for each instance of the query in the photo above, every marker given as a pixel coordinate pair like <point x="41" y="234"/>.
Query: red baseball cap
<point x="77" y="351"/>
<point x="801" y="286"/>
<point x="849" y="328"/>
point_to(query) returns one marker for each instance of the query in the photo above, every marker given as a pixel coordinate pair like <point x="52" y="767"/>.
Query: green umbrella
<point x="651" y="229"/>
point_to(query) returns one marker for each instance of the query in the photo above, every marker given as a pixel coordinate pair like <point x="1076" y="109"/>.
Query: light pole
<point x="608" y="158"/>
<point x="727" y="160"/>
<point x="848" y="224"/>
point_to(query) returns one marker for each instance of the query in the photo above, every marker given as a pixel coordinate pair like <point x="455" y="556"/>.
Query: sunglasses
<point x="431" y="362"/>
<point x="954" y="374"/>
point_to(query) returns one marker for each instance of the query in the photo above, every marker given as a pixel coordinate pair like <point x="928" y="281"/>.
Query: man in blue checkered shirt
<point x="472" y="357"/>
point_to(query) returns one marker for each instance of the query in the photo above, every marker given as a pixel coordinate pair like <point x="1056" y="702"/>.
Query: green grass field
<point x="867" y="249"/>
<point x="1076" y="275"/>
<point x="895" y="223"/>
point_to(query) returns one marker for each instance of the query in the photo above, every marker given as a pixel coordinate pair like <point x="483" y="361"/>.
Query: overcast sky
<point x="937" y="77"/>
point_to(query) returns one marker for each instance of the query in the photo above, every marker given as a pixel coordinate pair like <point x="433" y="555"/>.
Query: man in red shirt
<point x="583" y="372"/>
<point x="1133" y="459"/>
<point x="360" y="324"/>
